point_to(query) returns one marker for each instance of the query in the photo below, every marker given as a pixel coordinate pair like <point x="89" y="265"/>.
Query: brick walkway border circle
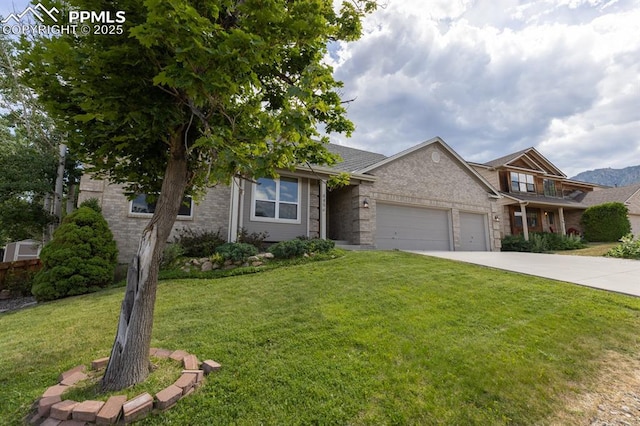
<point x="53" y="410"/>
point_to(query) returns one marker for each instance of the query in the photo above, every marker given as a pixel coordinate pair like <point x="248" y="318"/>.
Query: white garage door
<point x="473" y="232"/>
<point x="412" y="228"/>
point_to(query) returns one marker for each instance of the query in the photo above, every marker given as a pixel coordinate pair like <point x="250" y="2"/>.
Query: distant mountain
<point x="611" y="177"/>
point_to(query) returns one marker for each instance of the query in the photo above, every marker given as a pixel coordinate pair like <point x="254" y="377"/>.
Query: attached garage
<point x="473" y="232"/>
<point x="412" y="228"/>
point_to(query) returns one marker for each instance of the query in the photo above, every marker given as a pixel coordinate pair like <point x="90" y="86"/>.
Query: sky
<point x="492" y="77"/>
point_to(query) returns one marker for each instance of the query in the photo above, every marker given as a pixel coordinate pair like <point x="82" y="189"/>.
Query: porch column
<point x="323" y="209"/>
<point x="563" y="226"/>
<point x="525" y="225"/>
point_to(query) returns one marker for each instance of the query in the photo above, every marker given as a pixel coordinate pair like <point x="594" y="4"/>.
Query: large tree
<point x="193" y="93"/>
<point x="28" y="157"/>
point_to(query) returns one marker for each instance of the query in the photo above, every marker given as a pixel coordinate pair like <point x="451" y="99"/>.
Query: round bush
<point x="81" y="257"/>
<point x="606" y="222"/>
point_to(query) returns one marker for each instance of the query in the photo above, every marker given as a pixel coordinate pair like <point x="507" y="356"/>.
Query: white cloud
<point x="492" y="77"/>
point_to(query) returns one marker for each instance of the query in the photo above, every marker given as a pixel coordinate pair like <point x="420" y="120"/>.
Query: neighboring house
<point x="424" y="198"/>
<point x="22" y="250"/>
<point x="536" y="195"/>
<point x="627" y="195"/>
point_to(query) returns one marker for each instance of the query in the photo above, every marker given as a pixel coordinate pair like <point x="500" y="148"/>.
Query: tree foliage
<point x="28" y="157"/>
<point x="240" y="83"/>
<point x="80" y="259"/>
<point x="194" y="93"/>
<point x="606" y="222"/>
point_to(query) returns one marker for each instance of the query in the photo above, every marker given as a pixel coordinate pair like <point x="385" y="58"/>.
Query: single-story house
<point x="424" y="198"/>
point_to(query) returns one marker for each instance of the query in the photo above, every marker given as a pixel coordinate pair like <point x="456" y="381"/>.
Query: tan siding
<point x="210" y="214"/>
<point x="416" y="179"/>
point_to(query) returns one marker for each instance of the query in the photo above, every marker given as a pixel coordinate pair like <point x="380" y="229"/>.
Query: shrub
<point x="318" y="245"/>
<point x="237" y="252"/>
<point x="606" y="222"/>
<point x="19" y="282"/>
<point x="81" y="257"/>
<point x="515" y="243"/>
<point x="170" y="254"/>
<point x="542" y="242"/>
<point x="288" y="249"/>
<point x="627" y="249"/>
<point x="199" y="243"/>
<point x="92" y="203"/>
<point x="256" y="239"/>
<point x="299" y="246"/>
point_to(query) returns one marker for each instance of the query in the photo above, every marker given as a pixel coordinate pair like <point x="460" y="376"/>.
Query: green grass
<point x="593" y="249"/>
<point x="369" y="338"/>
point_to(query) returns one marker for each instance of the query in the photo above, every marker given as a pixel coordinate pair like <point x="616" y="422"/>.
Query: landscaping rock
<point x="209" y="365"/>
<point x="44" y="405"/>
<point x="74" y="378"/>
<point x="62" y="410"/>
<point x="178" y="355"/>
<point x="257" y="263"/>
<point x="168" y="397"/>
<point x="207" y="266"/>
<point x="137" y="407"/>
<point x="199" y="374"/>
<point x="55" y="390"/>
<point x="186" y="382"/>
<point x="87" y="411"/>
<point x="163" y="353"/>
<point x="77" y="369"/>
<point x="111" y="409"/>
<point x="99" y="363"/>
<point x="253" y="258"/>
<point x="190" y="362"/>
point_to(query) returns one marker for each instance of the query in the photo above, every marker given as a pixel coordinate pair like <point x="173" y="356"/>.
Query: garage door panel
<point x="473" y="234"/>
<point x="412" y="228"/>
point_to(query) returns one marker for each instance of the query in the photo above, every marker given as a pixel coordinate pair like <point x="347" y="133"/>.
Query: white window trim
<point x="255" y="218"/>
<point x="131" y="213"/>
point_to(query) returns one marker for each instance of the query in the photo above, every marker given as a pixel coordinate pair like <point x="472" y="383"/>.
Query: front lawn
<point x="369" y="338"/>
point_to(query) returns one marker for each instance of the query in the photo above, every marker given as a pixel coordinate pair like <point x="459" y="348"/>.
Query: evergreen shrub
<point x="81" y="257"/>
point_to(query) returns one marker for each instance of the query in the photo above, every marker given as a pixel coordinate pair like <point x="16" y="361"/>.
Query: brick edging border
<point x="54" y="411"/>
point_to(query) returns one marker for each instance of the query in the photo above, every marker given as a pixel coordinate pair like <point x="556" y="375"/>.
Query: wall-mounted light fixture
<point x="496" y="218"/>
<point x="365" y="203"/>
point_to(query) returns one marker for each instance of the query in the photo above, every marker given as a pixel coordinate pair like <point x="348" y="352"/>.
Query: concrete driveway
<point x="618" y="275"/>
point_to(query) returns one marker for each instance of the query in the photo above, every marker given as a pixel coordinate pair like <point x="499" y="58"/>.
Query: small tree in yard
<point x="193" y="93"/>
<point x="606" y="222"/>
<point x="80" y="259"/>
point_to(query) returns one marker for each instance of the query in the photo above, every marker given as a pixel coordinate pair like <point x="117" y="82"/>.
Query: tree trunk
<point x="129" y="361"/>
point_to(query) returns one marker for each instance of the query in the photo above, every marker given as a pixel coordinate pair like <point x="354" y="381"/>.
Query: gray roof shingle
<point x="353" y="159"/>
<point x="609" y="195"/>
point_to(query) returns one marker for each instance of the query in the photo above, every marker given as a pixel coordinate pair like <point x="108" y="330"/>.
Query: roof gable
<point x="527" y="159"/>
<point x="438" y="141"/>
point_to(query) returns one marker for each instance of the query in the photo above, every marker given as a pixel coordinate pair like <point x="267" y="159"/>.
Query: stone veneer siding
<point x="417" y="180"/>
<point x="210" y="214"/>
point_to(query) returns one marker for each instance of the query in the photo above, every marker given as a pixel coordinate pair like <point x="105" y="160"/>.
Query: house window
<point x="140" y="206"/>
<point x="521" y="182"/>
<point x="276" y="200"/>
<point x="549" y="187"/>
<point x="532" y="219"/>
